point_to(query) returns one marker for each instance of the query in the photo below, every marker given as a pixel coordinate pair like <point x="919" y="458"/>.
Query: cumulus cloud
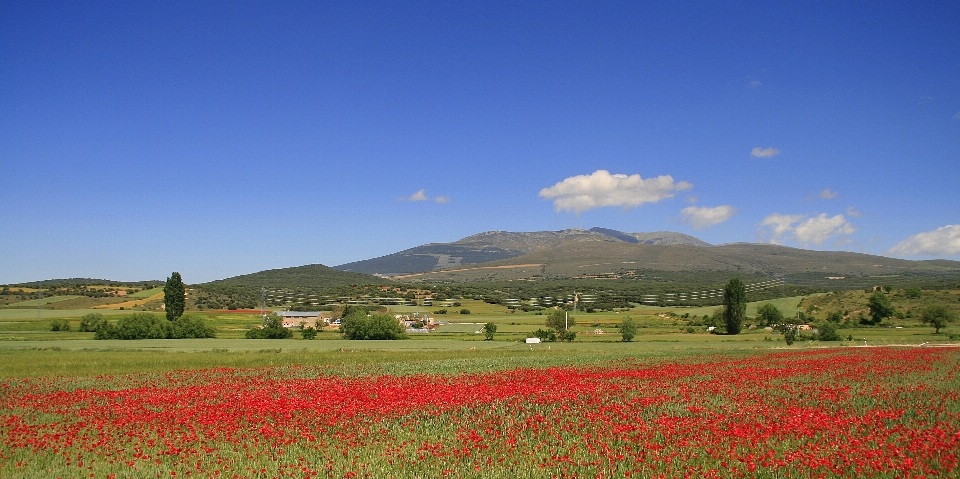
<point x="764" y="152"/>
<point x="422" y="196"/>
<point x="828" y="194"/>
<point x="820" y="228"/>
<point x="806" y="230"/>
<point x="586" y="192"/>
<point x="780" y="226"/>
<point x="700" y="217"/>
<point x="943" y="241"/>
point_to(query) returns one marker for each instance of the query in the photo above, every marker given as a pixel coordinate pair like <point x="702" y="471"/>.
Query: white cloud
<point x="828" y="194"/>
<point x="814" y="230"/>
<point x="957" y="116"/>
<point x="418" y="196"/>
<point x="820" y="228"/>
<point x="853" y="211"/>
<point x="754" y="83"/>
<point x="422" y="196"/>
<point x="764" y="152"/>
<point x="943" y="241"/>
<point x="700" y="217"/>
<point x="586" y="192"/>
<point x="781" y="226"/>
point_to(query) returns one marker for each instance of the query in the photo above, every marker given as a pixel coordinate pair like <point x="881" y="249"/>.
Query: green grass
<point x="787" y="306"/>
<point x="33" y="302"/>
<point x="23" y="314"/>
<point x="92" y="358"/>
<point x="146" y="293"/>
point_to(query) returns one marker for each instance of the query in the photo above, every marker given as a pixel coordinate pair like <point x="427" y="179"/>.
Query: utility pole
<point x="263" y="300"/>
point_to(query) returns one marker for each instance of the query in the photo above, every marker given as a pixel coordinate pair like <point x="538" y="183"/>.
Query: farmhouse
<point x="298" y="319"/>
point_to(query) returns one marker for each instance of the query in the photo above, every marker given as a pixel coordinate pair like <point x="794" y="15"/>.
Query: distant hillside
<point x="625" y="260"/>
<point x="311" y="275"/>
<point x="501" y="245"/>
<point x="59" y="283"/>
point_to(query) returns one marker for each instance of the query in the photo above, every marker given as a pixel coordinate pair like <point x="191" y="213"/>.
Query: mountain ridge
<point x="500" y="245"/>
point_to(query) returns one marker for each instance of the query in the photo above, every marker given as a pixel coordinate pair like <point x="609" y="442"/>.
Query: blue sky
<point x="224" y="138"/>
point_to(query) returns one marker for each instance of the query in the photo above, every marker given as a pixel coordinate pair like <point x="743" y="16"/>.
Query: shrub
<point x="790" y="335"/>
<point x="309" y="332"/>
<point x="566" y="335"/>
<point x="136" y="326"/>
<point x="489" y="330"/>
<point x="92" y="322"/>
<point x="358" y="325"/>
<point x="827" y="331"/>
<point x="628" y="329"/>
<point x="59" y="325"/>
<point x="464" y="311"/>
<point x="272" y="329"/>
<point x="191" y="326"/>
<point x="546" y="335"/>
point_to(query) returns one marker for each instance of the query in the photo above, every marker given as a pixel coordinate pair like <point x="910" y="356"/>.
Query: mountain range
<point x="502" y="245"/>
<point x="604" y="253"/>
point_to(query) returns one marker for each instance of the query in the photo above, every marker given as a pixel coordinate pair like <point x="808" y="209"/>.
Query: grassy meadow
<point x="28" y="347"/>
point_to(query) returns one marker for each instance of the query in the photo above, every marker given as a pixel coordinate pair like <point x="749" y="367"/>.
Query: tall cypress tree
<point x="173" y="296"/>
<point x="734" y="305"/>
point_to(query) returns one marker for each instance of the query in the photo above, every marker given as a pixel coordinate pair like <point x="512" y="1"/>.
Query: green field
<point x="146" y="293"/>
<point x="7" y="314"/>
<point x="787" y="306"/>
<point x="33" y="302"/>
<point x="28" y="347"/>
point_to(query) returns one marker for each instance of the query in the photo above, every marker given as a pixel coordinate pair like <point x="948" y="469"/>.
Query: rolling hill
<point x="311" y="275"/>
<point x="612" y="260"/>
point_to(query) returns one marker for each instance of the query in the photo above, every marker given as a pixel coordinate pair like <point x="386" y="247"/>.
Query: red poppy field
<point x="869" y="412"/>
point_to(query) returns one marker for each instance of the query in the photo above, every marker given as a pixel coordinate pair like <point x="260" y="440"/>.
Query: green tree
<point x="272" y="329"/>
<point x="174" y="300"/>
<point x="768" y="314"/>
<point x="308" y="332"/>
<point x="566" y="335"/>
<point x="191" y="326"/>
<point x="880" y="307"/>
<point x="628" y="329"/>
<point x="59" y="325"/>
<point x="359" y="325"/>
<point x="827" y="331"/>
<point x="937" y="316"/>
<point x="489" y="330"/>
<point x="734" y="305"/>
<point x="92" y="322"/>
<point x="545" y="335"/>
<point x="136" y="326"/>
<point x="560" y="320"/>
<point x="790" y="334"/>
